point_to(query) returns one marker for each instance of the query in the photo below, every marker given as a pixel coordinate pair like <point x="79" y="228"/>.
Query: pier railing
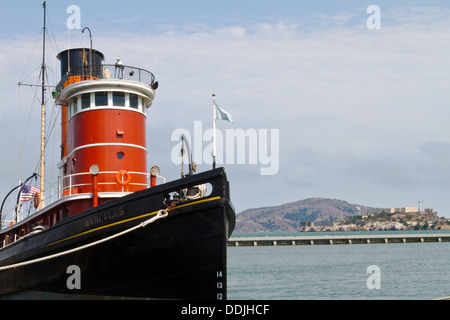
<point x="337" y="239"/>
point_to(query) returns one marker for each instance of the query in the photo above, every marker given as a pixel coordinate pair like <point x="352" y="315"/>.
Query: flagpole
<point x="214" y="130"/>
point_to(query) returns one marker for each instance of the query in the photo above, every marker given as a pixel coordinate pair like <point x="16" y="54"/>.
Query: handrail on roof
<point x="111" y="71"/>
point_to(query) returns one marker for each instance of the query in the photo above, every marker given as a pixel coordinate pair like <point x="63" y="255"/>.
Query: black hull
<point x="181" y="256"/>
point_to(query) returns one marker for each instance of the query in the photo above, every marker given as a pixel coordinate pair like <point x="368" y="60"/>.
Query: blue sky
<point x="362" y="114"/>
<point x="178" y="12"/>
<point x="145" y="16"/>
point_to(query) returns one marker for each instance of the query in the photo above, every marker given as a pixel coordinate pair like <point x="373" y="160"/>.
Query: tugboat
<point x="105" y="229"/>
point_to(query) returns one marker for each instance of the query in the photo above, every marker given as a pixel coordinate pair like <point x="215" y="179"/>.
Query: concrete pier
<point x="337" y="239"/>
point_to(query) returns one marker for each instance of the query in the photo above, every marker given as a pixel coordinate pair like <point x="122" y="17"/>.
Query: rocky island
<point x="321" y="214"/>
<point x="385" y="221"/>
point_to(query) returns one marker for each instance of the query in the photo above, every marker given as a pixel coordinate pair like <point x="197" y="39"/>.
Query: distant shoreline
<point x="334" y="233"/>
<point x="332" y="215"/>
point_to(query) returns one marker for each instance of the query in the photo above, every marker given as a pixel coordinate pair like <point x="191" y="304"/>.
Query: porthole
<point x="120" y="155"/>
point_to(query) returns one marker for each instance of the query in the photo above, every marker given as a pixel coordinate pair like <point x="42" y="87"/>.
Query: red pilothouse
<point x="103" y="124"/>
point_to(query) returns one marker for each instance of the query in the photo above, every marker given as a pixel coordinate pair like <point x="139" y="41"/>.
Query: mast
<point x="214" y="130"/>
<point x="42" y="186"/>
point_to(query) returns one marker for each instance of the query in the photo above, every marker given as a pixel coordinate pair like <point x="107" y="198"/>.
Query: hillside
<point x="288" y="217"/>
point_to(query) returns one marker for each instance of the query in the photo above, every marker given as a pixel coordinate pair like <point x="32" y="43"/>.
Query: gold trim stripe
<point x="132" y="219"/>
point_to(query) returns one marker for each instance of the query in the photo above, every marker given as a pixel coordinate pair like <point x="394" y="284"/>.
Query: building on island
<point x="403" y="210"/>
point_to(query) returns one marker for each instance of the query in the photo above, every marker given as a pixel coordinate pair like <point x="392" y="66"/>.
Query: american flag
<point x="28" y="193"/>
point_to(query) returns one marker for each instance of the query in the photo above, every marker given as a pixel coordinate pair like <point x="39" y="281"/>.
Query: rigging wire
<point x="53" y="34"/>
<point x="29" y="59"/>
<point x="23" y="139"/>
<point x="25" y="124"/>
<point x="52" y="121"/>
<point x="54" y="114"/>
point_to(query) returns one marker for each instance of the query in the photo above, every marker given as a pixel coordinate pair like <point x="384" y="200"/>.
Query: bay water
<point x="403" y="271"/>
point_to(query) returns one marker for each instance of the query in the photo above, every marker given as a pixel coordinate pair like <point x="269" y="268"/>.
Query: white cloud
<point x="351" y="104"/>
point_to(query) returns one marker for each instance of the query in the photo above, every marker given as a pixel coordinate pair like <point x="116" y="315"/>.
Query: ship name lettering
<point x="105" y="216"/>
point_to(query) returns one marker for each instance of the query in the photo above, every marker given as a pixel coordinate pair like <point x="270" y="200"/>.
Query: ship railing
<point x="70" y="185"/>
<point x="110" y="71"/>
<point x="18" y="212"/>
<point x="126" y="73"/>
<point x="63" y="187"/>
<point x="68" y="181"/>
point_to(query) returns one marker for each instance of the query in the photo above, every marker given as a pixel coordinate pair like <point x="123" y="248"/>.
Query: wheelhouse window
<point x="73" y="104"/>
<point x="119" y="99"/>
<point x="105" y="99"/>
<point x="86" y="101"/>
<point x="134" y="101"/>
<point x="101" y="99"/>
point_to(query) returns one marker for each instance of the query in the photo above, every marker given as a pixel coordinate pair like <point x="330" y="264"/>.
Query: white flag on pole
<point x="222" y="114"/>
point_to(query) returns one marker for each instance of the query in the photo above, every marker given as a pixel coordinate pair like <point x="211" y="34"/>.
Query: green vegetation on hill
<point x="333" y="215"/>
